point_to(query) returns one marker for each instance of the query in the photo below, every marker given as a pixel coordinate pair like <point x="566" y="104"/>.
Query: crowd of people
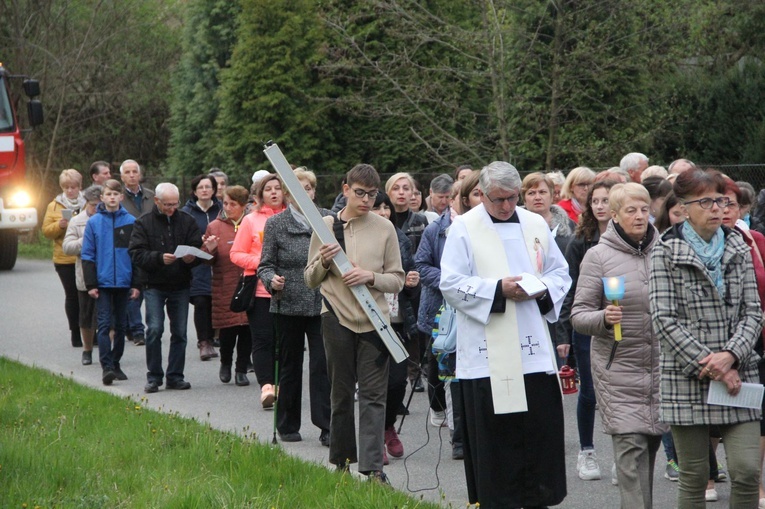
<point x="529" y="266"/>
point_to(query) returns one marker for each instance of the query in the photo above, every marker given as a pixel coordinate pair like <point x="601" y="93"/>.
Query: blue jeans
<point x="111" y="307"/>
<point x="177" y="302"/>
<point x="585" y="406"/>
<point x="669" y="446"/>
<point x="135" y="320"/>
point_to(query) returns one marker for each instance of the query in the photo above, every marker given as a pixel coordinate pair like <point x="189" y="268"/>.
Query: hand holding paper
<point x="182" y="251"/>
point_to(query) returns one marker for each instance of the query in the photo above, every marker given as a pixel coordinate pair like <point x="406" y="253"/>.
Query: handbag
<point x="445" y="330"/>
<point x="242" y="297"/>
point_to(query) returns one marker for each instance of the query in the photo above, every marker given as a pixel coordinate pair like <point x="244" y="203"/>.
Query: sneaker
<point x="722" y="475"/>
<point x="108" y="376"/>
<point x="87" y="358"/>
<point x="181" y="385"/>
<point x="614" y="479"/>
<point x="378" y="476"/>
<point x="139" y="340"/>
<point x="587" y="465"/>
<point x="673" y="471"/>
<point x="267" y="396"/>
<point x="393" y="443"/>
<point x="437" y="418"/>
<point x="418" y="385"/>
<point x="151" y="387"/>
<point x="711" y="495"/>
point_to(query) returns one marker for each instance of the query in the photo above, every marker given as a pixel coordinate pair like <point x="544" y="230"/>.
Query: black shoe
<point x="290" y="437"/>
<point x="151" y="387"/>
<point x="324" y="438"/>
<point x="76" y="339"/>
<point x="242" y="380"/>
<point x="458" y="452"/>
<point x="225" y="373"/>
<point x="250" y="368"/>
<point x="87" y="358"/>
<point x="216" y="343"/>
<point x="120" y="374"/>
<point x="418" y="386"/>
<point x="108" y="377"/>
<point x="180" y="385"/>
<point x="139" y="340"/>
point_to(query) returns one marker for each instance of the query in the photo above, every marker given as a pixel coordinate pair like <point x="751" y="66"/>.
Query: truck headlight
<point x="20" y="199"/>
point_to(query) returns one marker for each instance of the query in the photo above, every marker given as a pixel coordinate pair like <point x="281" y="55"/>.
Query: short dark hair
<point x="658" y="187"/>
<point x="695" y="182"/>
<point x="95" y="167"/>
<point x="199" y="178"/>
<point x="363" y="174"/>
<point x="112" y="185"/>
<point x="237" y="193"/>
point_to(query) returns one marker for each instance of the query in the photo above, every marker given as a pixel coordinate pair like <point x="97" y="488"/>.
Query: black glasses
<point x="706" y="203"/>
<point x="360" y="193"/>
<point x="498" y="201"/>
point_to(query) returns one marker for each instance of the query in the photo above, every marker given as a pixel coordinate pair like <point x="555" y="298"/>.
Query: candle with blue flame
<point x="613" y="288"/>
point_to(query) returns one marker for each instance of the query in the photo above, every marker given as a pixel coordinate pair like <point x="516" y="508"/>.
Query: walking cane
<point x="276" y="358"/>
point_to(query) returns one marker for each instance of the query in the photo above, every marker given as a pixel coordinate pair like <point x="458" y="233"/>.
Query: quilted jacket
<point x="692" y="320"/>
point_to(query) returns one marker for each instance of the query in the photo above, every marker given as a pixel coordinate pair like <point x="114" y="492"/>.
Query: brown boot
<point x="206" y="351"/>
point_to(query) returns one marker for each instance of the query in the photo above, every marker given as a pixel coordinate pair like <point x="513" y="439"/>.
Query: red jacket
<point x="225" y="276"/>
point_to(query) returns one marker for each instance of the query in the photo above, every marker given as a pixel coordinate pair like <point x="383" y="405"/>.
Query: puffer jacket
<point x="692" y="320"/>
<point x="72" y="245"/>
<point x="105" y="258"/>
<point x="628" y="391"/>
<point x="408" y="296"/>
<point x="248" y="244"/>
<point x="201" y="276"/>
<point x="428" y="263"/>
<point x="575" y="251"/>
<point x="285" y="253"/>
<point x="155" y="234"/>
<point x="225" y="275"/>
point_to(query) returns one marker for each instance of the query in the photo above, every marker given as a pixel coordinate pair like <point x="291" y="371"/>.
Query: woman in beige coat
<point x="625" y="374"/>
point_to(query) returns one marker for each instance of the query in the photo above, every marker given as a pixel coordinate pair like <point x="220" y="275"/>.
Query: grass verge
<point x="65" y="445"/>
<point x="35" y="246"/>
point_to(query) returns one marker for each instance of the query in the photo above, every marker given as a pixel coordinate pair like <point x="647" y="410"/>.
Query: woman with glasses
<point x="204" y="207"/>
<point x="246" y="253"/>
<point x="574" y="191"/>
<point x="706" y="312"/>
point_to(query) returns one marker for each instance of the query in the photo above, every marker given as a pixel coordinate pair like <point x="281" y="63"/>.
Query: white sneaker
<point x="437" y="419"/>
<point x="711" y="495"/>
<point x="614" y="479"/>
<point x="587" y="465"/>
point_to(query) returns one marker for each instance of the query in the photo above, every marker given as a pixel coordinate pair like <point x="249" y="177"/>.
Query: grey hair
<point x="632" y="161"/>
<point x="92" y="193"/>
<point x="442" y="184"/>
<point x="676" y="161"/>
<point x="163" y="188"/>
<point x="130" y="161"/>
<point x="216" y="172"/>
<point x="499" y="175"/>
<point x="557" y="177"/>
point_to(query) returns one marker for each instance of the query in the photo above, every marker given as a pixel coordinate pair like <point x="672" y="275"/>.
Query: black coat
<point x="155" y="234"/>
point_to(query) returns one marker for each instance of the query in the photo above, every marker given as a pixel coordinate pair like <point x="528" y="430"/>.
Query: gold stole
<point x="505" y="365"/>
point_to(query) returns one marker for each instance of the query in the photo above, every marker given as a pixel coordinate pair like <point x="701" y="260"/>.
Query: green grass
<point x="35" y="246"/>
<point x="65" y="445"/>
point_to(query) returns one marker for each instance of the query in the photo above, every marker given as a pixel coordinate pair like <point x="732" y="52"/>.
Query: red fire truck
<point x="17" y="212"/>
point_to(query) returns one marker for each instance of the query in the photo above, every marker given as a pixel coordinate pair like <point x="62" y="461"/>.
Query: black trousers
<point x="68" y="279"/>
<point x="397" y="377"/>
<point x="292" y="333"/>
<point x="239" y="337"/>
<point x="262" y="333"/>
<point x="203" y="317"/>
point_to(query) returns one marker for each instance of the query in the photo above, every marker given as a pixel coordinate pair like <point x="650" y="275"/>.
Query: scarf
<point x="710" y="253"/>
<point x="577" y="208"/>
<point x="299" y="217"/>
<point x="77" y="204"/>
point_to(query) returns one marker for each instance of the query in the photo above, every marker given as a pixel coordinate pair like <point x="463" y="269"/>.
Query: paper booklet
<point x="750" y="395"/>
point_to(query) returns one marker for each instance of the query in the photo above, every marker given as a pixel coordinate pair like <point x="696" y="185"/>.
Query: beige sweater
<point x="371" y="243"/>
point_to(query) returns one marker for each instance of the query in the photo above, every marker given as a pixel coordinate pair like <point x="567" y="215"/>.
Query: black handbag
<point x="245" y="290"/>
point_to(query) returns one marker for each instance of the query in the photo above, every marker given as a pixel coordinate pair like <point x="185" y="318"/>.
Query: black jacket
<point x="155" y="234"/>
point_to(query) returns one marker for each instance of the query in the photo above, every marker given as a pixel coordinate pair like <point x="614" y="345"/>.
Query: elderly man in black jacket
<point x="166" y="280"/>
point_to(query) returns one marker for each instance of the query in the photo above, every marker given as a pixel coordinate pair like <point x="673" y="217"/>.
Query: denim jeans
<point x="135" y="320"/>
<point x="111" y="307"/>
<point x="177" y="302"/>
<point x="585" y="406"/>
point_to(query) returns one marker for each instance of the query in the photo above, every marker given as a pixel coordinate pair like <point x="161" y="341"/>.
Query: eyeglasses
<point x="732" y="205"/>
<point x="583" y="184"/>
<point x="706" y="203"/>
<point x="169" y="205"/>
<point x="499" y="201"/>
<point x="360" y="193"/>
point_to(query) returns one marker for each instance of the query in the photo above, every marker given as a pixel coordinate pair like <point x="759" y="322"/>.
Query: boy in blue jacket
<point x="109" y="276"/>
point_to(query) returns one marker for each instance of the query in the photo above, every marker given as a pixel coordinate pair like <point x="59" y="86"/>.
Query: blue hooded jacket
<point x="105" y="259"/>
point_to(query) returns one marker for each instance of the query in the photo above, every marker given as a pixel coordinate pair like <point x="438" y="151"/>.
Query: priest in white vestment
<point x="503" y="272"/>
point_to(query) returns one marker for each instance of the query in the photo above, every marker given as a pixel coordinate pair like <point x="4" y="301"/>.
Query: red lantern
<point x="568" y="380"/>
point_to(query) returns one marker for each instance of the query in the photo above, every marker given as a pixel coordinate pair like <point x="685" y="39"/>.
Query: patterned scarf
<point x="710" y="253"/>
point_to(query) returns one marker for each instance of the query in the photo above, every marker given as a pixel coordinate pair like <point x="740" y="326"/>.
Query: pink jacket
<point x="248" y="244"/>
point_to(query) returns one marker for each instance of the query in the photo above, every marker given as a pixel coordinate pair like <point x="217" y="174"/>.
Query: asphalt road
<point x="33" y="331"/>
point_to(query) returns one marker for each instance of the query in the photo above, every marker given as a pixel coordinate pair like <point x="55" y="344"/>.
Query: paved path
<point x="33" y="331"/>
